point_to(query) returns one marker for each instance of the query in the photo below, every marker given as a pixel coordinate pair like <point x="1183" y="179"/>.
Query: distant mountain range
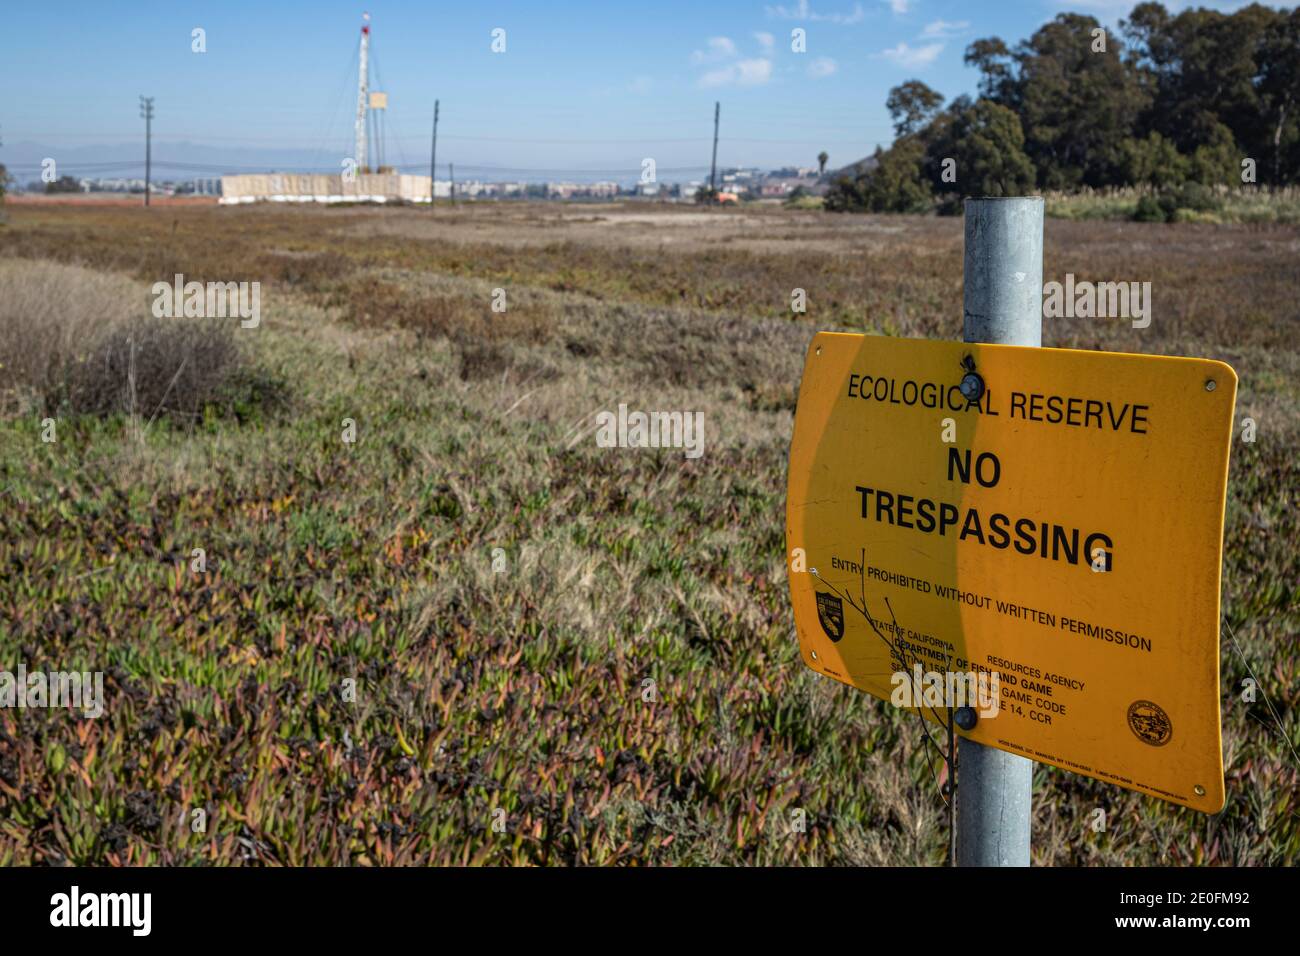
<point x="171" y="160"/>
<point x="182" y="160"/>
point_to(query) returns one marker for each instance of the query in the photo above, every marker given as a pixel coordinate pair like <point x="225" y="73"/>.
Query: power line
<point x="326" y="132"/>
<point x="628" y="170"/>
<point x="199" y="138"/>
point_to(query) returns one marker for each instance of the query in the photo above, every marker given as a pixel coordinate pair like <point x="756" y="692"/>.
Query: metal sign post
<point x="1107" y="667"/>
<point x="1002" y="304"/>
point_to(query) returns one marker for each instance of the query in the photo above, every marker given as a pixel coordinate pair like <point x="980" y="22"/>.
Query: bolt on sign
<point x="1049" y="515"/>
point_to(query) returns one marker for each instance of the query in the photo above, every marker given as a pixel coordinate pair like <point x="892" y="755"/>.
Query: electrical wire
<point x="328" y="130"/>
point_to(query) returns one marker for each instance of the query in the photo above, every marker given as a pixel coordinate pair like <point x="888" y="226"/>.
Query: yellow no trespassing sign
<point x="1063" y="532"/>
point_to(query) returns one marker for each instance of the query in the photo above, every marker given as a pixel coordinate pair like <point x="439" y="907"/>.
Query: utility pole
<point x="433" y="158"/>
<point x="713" y="167"/>
<point x="146" y="112"/>
<point x="1002" y="303"/>
<point x="3" y="215"/>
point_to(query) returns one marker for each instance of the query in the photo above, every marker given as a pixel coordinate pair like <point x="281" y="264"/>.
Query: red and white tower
<point x="363" y="94"/>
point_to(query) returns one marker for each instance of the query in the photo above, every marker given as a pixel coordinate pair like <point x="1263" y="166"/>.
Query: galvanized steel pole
<point x="1002" y="303"/>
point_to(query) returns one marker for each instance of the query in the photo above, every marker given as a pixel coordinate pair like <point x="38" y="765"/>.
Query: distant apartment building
<point x="601" y="190"/>
<point x="685" y="192"/>
<point x="114" y="185"/>
<point x="199" y="187"/>
<point x="780" y="188"/>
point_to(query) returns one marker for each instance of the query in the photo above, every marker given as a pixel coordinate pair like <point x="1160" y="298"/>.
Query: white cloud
<point x="899" y="6"/>
<point x="741" y="73"/>
<point x="908" y="56"/>
<point x="720" y="48"/>
<point x="944" y="29"/>
<point x="753" y="72"/>
<point x="804" y="11"/>
<point x="728" y="68"/>
<point x="822" y="66"/>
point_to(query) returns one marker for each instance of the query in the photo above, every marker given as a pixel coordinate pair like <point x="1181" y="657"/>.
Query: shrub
<point x="79" y="341"/>
<point x="895" y="183"/>
<point x="1195" y="196"/>
<point x="1153" y="161"/>
<point x="171" y="367"/>
<point x="1149" y="210"/>
<point x="49" y="313"/>
<point x="1191" y="197"/>
<point x="372" y="302"/>
<point x="843" y="195"/>
<point x="1215" y="162"/>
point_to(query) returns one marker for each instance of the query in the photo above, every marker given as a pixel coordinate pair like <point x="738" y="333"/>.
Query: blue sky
<point x="581" y="86"/>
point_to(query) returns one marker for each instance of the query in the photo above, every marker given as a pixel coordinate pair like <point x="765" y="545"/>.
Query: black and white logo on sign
<point x="830" y="611"/>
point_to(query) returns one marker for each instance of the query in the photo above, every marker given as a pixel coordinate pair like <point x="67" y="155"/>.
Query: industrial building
<point x="356" y="183"/>
<point x="322" y="188"/>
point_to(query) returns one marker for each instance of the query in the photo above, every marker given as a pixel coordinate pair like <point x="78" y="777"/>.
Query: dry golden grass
<point x="73" y="340"/>
<point x="48" y="314"/>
